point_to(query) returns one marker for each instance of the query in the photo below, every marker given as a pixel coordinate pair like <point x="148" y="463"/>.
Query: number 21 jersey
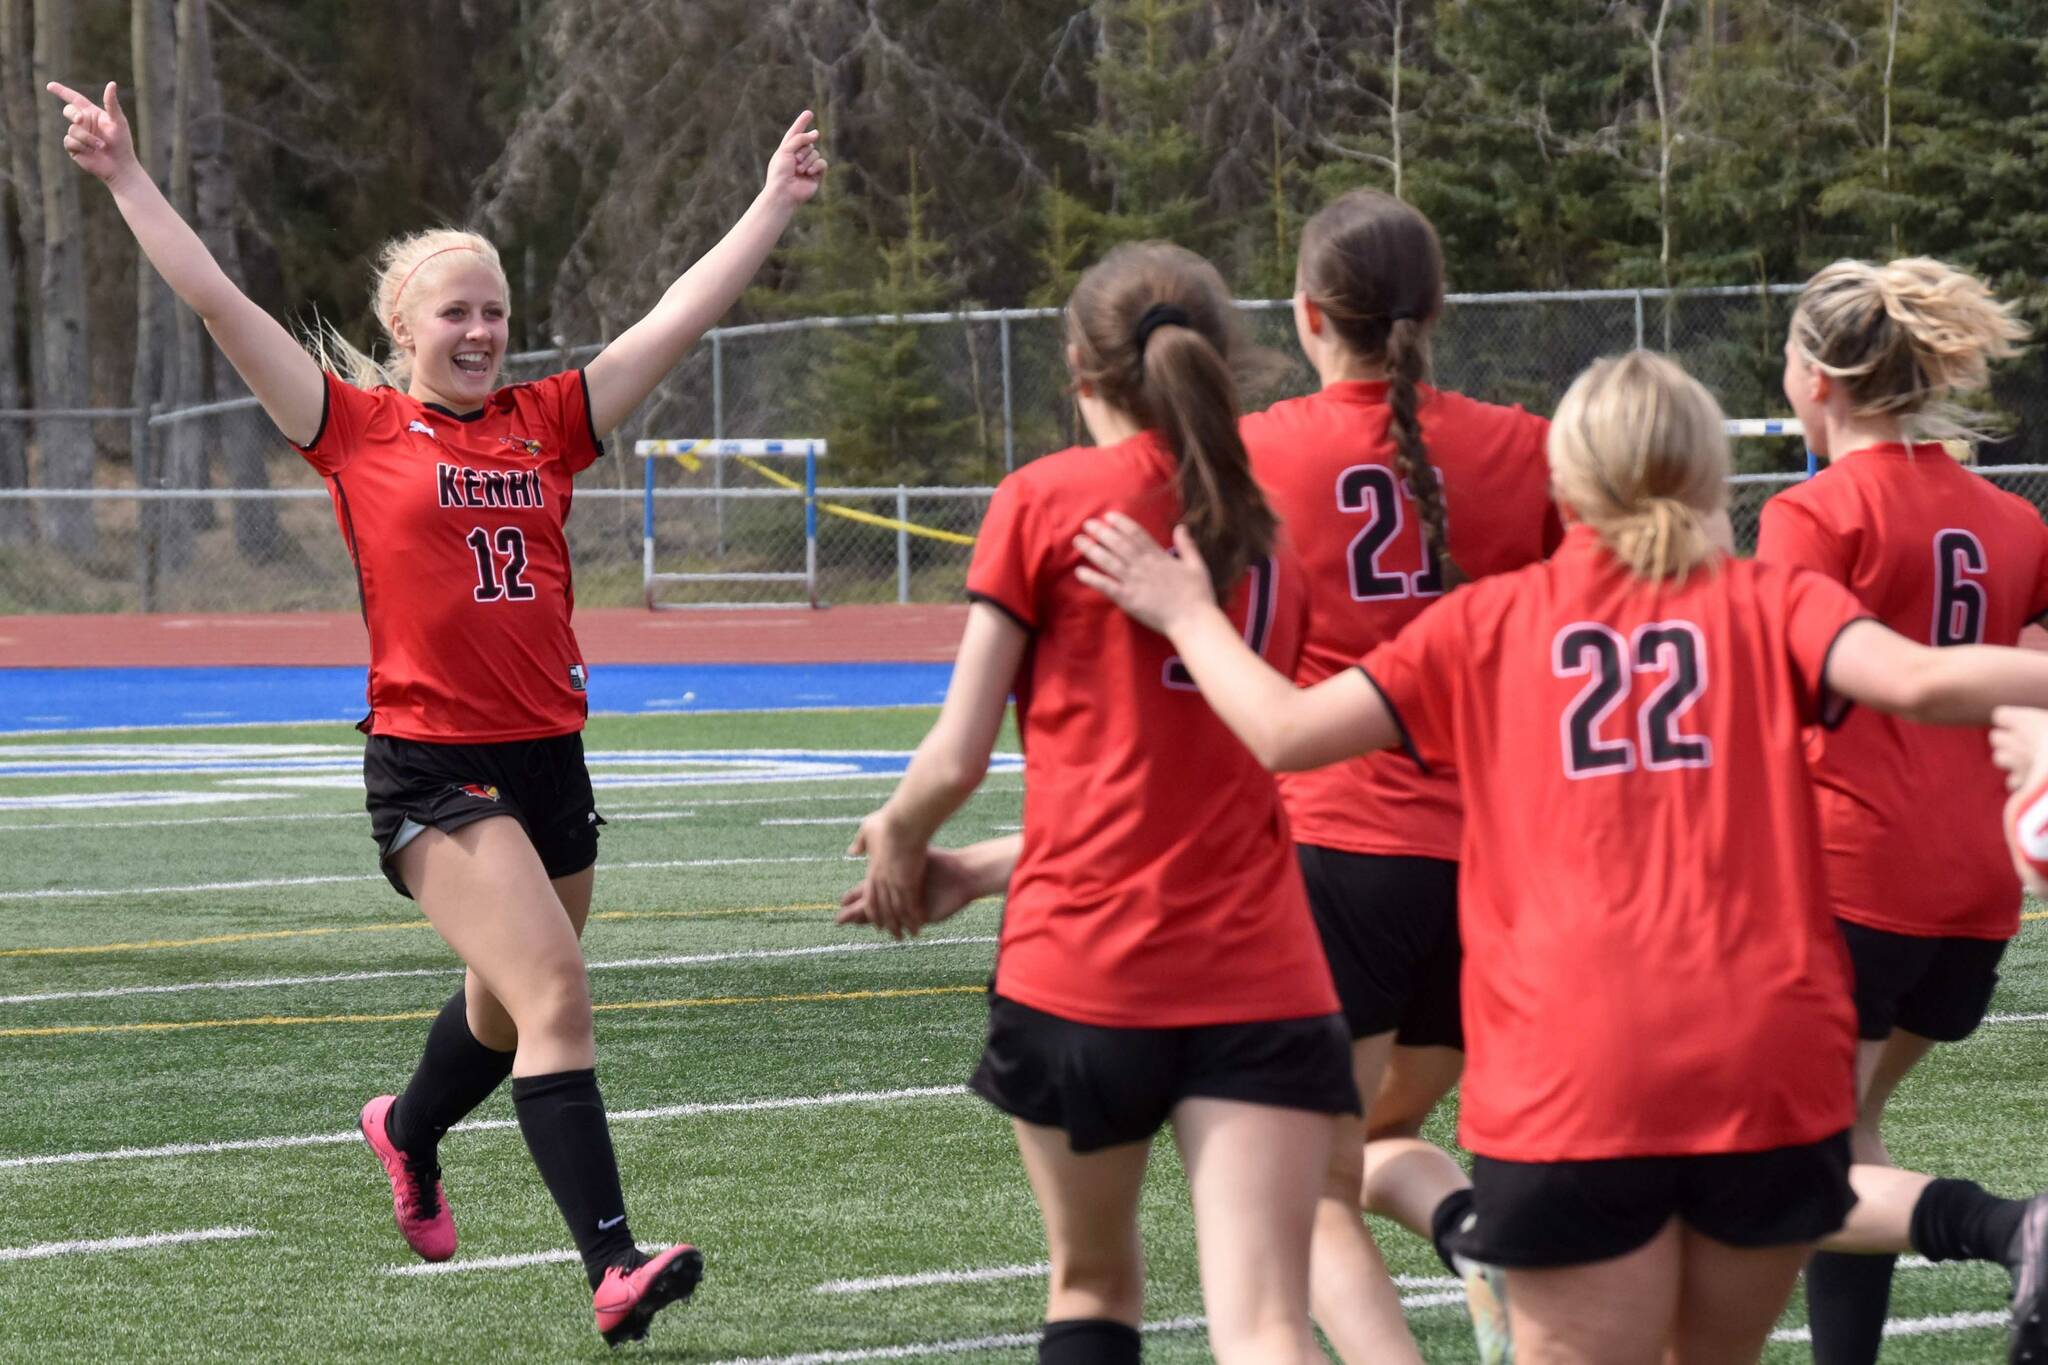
<point x="455" y="526"/>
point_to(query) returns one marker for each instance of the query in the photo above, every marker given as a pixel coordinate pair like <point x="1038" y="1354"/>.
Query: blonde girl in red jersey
<point x="1640" y="878"/>
<point x="1392" y="492"/>
<point x="452" y="493"/>
<point x="1157" y="966"/>
<point x="1926" y="899"/>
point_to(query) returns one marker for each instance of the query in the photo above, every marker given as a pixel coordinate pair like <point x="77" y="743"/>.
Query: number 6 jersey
<point x="1911" y="814"/>
<point x="1649" y="968"/>
<point x="455" y="526"/>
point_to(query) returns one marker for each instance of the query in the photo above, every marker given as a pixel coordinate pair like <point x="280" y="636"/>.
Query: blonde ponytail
<point x="1639" y="452"/>
<point x="405" y="267"/>
<point x="1905" y="339"/>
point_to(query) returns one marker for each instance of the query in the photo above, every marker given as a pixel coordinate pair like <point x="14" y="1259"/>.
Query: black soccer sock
<point x="561" y="1116"/>
<point x="1847" y="1298"/>
<point x="456" y="1074"/>
<point x="1957" y="1220"/>
<point x="1088" y="1341"/>
<point x="1447" y="1218"/>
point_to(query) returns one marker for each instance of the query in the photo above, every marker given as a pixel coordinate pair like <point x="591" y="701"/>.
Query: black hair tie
<point x="1401" y="316"/>
<point x="1157" y="316"/>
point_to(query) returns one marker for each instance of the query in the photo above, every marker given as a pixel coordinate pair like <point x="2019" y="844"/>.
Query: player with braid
<point x="452" y="494"/>
<point x="1393" y="492"/>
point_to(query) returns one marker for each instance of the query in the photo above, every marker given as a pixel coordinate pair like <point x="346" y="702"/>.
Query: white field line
<point x="154" y="1239"/>
<point x="2015" y="1018"/>
<point x="669" y="1111"/>
<point x="673" y="960"/>
<point x="1038" y="1268"/>
<point x="273" y="883"/>
<point x="485" y="1263"/>
<point x="827" y="820"/>
<point x="983" y="1275"/>
<point x="1915" y="1327"/>
<point x="623" y="813"/>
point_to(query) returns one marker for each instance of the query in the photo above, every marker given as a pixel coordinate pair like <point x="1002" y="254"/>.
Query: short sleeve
<point x="1790" y="533"/>
<point x="1412" y="674"/>
<point x="345" y="413"/>
<point x="567" y="397"/>
<point x="1004" y="571"/>
<point x="1537" y="440"/>
<point x="1817" y="611"/>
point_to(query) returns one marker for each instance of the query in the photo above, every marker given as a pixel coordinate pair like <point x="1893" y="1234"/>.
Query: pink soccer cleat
<point x="416" y="1199"/>
<point x="627" y="1300"/>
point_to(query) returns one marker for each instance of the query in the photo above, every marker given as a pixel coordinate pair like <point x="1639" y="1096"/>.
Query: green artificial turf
<point x="782" y="1199"/>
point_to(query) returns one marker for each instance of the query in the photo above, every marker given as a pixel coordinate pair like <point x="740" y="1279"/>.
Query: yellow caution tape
<point x="855" y="513"/>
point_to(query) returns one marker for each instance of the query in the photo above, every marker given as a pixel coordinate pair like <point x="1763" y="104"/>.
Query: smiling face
<point x="454" y="324"/>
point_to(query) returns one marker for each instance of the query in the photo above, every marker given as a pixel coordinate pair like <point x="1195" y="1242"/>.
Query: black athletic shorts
<point x="1938" y="988"/>
<point x="1536" y="1214"/>
<point x="1390" y="929"/>
<point x="541" y="783"/>
<point x="1109" y="1086"/>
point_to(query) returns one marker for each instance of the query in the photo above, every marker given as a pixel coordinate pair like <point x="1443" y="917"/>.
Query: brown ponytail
<point x="1374" y="268"/>
<point x="1153" y="330"/>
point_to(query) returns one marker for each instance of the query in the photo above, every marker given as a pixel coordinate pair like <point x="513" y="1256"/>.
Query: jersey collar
<point x="458" y="416"/>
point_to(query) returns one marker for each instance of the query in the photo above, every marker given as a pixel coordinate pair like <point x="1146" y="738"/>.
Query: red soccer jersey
<point x="1650" y="969"/>
<point x="1911" y="814"/>
<point x="1158" y="886"/>
<point x="455" y="526"/>
<point x="1327" y="463"/>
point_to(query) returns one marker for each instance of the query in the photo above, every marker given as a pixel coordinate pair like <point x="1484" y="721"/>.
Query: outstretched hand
<point x="1130" y="569"/>
<point x="2019" y="744"/>
<point x="98" y="139"/>
<point x="797" y="168"/>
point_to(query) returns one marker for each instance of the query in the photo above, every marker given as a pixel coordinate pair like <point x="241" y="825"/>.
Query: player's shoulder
<point x="1509" y="421"/>
<point x="1278" y="419"/>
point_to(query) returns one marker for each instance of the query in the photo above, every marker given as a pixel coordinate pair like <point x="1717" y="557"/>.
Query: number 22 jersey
<point x="455" y="526"/>
<point x="1650" y="969"/>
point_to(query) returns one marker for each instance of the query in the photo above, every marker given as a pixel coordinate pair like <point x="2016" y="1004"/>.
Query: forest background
<point x="984" y="151"/>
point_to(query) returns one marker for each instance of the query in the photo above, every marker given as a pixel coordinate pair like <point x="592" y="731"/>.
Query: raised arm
<point x="1288" y="729"/>
<point x="285" y="379"/>
<point x="626" y="371"/>
<point x="944" y="772"/>
<point x="1955" y="685"/>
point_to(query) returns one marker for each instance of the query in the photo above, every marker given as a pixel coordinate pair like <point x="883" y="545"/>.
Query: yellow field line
<point x="261" y="935"/>
<point x="295" y="1020"/>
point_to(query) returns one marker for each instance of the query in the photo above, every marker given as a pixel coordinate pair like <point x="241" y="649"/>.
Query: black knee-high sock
<point x="561" y="1116"/>
<point x="1447" y="1218"/>
<point x="1957" y="1220"/>
<point x="456" y="1074"/>
<point x="1847" y="1299"/>
<point x="1088" y="1341"/>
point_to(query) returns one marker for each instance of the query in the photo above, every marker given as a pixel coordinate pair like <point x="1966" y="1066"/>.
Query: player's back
<point x="1640" y="859"/>
<point x="1157" y="886"/>
<point x="1910" y="814"/>
<point x="1327" y="463"/>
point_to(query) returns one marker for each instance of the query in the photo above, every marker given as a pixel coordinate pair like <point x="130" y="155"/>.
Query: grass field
<point x="195" y="999"/>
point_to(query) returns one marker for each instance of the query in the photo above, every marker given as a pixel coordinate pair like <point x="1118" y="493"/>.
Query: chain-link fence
<point x="207" y="509"/>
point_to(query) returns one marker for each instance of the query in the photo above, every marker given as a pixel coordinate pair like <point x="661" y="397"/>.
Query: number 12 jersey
<point x="455" y="526"/>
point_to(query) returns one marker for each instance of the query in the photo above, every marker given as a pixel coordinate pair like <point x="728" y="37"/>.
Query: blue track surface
<point x="55" y="699"/>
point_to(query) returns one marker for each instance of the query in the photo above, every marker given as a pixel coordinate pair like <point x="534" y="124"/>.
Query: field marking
<point x="100" y="1244"/>
<point x="321" y="931"/>
<point x="670" y="960"/>
<point x="486" y="1263"/>
<point x="929" y="1277"/>
<point x="840" y="820"/>
<point x="275" y="883"/>
<point x="624" y="813"/>
<point x="1914" y="1327"/>
<point x="406" y="1016"/>
<point x="829" y="1100"/>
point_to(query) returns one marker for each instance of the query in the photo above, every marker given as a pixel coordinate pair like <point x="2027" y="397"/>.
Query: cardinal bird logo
<point x="480" y="791"/>
<point x="525" y="443"/>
